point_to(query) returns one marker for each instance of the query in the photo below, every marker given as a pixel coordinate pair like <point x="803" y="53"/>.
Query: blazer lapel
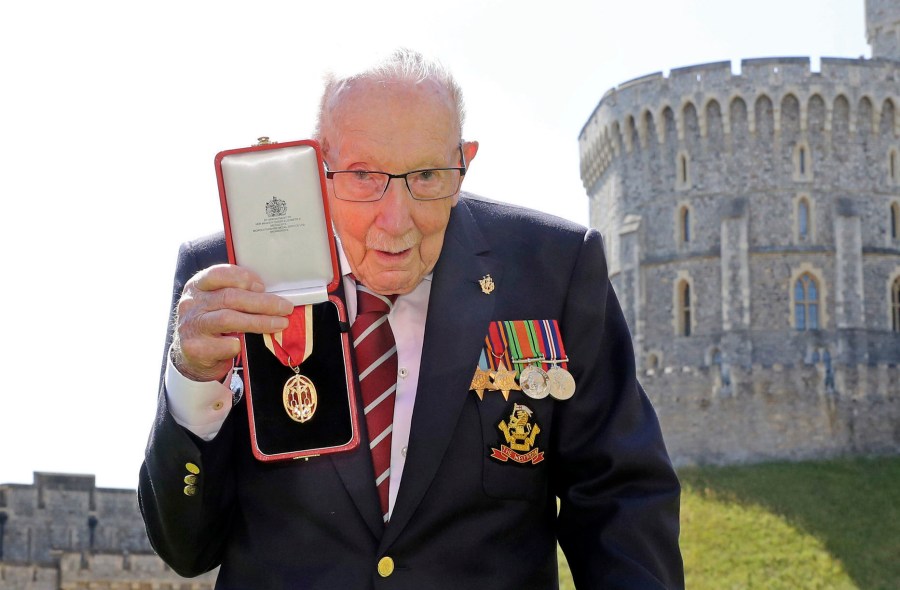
<point x="458" y="317"/>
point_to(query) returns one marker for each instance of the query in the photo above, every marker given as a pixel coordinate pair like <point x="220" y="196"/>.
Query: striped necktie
<point x="376" y="361"/>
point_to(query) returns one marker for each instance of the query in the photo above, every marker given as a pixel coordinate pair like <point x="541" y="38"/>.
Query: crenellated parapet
<point x="63" y="532"/>
<point x="713" y="108"/>
<point x="725" y="414"/>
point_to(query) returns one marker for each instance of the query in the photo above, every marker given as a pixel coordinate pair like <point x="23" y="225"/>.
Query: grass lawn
<point x="793" y="526"/>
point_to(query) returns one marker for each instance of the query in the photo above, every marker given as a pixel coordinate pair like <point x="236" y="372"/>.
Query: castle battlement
<point x="726" y="415"/>
<point x="710" y="96"/>
<point x="63" y="532"/>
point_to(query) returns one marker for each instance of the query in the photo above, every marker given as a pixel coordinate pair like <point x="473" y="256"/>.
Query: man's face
<point x="395" y="127"/>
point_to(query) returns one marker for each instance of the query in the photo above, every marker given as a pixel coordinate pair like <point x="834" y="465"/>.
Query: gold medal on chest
<point x="300" y="399"/>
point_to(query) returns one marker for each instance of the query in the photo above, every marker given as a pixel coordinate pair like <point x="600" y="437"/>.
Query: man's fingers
<point x="206" y="352"/>
<point x="222" y="276"/>
<point x="216" y="303"/>
<point x="248" y="301"/>
<point x="223" y="321"/>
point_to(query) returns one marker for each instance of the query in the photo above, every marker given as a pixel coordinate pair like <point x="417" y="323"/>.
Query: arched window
<point x="652" y="361"/>
<point x="803" y="219"/>
<point x="895" y="220"/>
<point x="682" y="171"/>
<point x="3" y="518"/>
<point x="92" y="531"/>
<point x="685" y="225"/>
<point x="802" y="162"/>
<point x="684" y="308"/>
<point x="895" y="305"/>
<point x="893" y="167"/>
<point x="806" y="303"/>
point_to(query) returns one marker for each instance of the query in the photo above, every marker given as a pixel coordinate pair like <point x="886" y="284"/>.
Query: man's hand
<point x="217" y="303"/>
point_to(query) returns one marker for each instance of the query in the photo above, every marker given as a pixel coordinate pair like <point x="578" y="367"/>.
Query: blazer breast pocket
<point x="516" y="435"/>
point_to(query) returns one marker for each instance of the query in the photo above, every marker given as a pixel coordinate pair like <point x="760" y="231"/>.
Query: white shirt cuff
<point x="199" y="406"/>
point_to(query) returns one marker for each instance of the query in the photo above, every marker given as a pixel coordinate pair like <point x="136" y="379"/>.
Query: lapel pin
<point x="487" y="284"/>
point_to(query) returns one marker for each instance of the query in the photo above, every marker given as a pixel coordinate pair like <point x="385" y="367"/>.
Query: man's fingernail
<point x="258" y="287"/>
<point x="280" y="323"/>
<point x="285" y="307"/>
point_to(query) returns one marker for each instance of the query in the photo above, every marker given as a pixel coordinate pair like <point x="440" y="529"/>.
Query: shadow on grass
<point x="851" y="505"/>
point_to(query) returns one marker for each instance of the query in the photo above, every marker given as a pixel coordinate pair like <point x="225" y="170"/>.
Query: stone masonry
<point x="64" y="533"/>
<point x="752" y="225"/>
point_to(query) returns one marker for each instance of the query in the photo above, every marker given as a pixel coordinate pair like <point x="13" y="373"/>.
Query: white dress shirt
<point x="202" y="407"/>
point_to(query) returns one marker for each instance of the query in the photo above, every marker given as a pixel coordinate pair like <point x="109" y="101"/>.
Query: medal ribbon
<point x="496" y="341"/>
<point x="535" y="341"/>
<point x="552" y="342"/>
<point x="509" y="341"/>
<point x="515" y="350"/>
<point x="294" y="344"/>
<point x="524" y="347"/>
<point x="482" y="361"/>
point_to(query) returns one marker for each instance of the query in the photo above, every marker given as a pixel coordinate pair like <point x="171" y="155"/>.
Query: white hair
<point x="402" y="65"/>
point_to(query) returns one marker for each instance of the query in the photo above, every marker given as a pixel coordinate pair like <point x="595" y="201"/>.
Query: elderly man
<point x="461" y="489"/>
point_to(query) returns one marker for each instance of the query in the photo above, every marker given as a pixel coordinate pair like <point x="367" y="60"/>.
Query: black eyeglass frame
<point x="329" y="174"/>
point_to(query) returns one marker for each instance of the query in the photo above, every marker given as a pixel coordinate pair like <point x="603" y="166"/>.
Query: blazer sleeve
<point x="187" y="514"/>
<point x="618" y="521"/>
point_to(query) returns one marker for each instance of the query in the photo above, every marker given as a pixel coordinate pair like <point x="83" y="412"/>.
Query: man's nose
<point x="394" y="214"/>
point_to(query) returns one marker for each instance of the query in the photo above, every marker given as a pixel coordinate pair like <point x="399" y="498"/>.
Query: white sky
<point x="111" y="114"/>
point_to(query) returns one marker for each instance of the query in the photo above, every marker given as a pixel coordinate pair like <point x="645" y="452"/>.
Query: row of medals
<point x="556" y="382"/>
<point x="534" y="381"/>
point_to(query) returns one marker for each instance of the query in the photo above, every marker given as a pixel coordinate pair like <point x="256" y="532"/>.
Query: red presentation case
<point x="277" y="223"/>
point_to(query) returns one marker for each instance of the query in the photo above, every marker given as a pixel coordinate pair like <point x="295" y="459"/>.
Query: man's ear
<point x="470" y="148"/>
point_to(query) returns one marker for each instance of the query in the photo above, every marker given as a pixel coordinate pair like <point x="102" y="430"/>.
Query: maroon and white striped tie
<point x="376" y="361"/>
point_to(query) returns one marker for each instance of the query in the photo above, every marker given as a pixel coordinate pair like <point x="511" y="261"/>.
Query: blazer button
<point x="385" y="567"/>
<point x="192" y="468"/>
<point x="190" y="479"/>
<point x="190" y="490"/>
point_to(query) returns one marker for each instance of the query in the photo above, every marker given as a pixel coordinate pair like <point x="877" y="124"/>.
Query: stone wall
<point x="63" y="532"/>
<point x="775" y="412"/>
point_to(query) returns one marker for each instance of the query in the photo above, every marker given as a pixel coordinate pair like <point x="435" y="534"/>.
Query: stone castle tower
<point x="883" y="28"/>
<point x="64" y="533"/>
<point x="752" y="225"/>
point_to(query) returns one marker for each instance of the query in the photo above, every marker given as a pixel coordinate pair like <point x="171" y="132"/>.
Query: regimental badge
<point x="487" y="284"/>
<point x="520" y="432"/>
<point x="276" y="207"/>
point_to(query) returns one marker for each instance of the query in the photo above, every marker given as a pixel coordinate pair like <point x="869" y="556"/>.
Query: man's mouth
<point x="394" y="255"/>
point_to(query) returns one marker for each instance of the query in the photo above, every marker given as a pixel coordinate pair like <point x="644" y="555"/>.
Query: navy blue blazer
<point x="462" y="519"/>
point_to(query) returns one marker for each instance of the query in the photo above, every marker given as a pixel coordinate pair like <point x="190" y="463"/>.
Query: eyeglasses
<point x="427" y="184"/>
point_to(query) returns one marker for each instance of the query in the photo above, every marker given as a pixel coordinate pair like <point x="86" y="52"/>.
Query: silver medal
<point x="535" y="382"/>
<point x="562" y="384"/>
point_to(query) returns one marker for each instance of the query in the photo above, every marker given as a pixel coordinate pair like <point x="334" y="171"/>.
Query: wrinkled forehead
<point x="392" y="107"/>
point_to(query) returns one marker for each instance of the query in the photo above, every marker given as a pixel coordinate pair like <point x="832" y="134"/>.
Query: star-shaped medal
<point x="480" y="381"/>
<point x="505" y="381"/>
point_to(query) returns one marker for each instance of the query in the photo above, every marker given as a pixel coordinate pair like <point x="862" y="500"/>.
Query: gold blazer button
<point x="385" y="567"/>
<point x="190" y="490"/>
